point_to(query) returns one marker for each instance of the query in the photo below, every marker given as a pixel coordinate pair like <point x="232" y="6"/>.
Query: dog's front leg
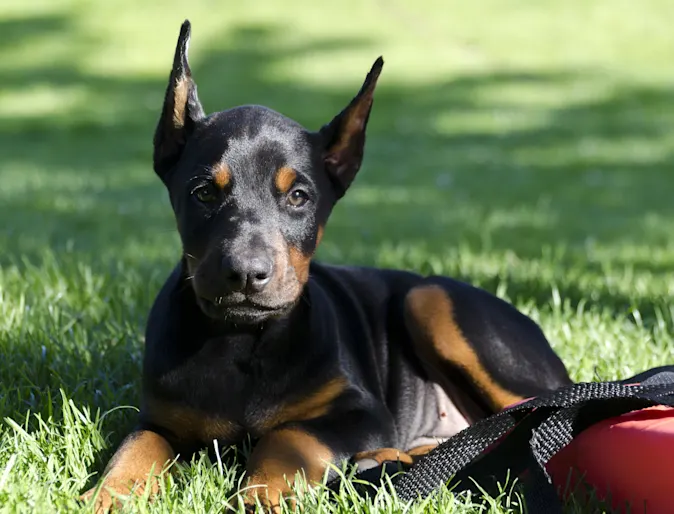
<point x="309" y="447"/>
<point x="139" y="460"/>
<point x="277" y="458"/>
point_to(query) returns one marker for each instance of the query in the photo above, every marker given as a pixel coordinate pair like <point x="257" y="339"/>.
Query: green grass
<point x="526" y="147"/>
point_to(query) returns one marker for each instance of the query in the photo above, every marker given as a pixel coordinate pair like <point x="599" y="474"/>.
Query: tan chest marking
<point x="189" y="424"/>
<point x="314" y="405"/>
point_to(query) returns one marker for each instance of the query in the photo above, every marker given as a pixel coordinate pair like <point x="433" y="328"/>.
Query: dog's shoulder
<point x="363" y="283"/>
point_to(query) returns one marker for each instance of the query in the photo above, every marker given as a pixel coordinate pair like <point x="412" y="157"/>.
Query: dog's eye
<point x="298" y="198"/>
<point x="205" y="194"/>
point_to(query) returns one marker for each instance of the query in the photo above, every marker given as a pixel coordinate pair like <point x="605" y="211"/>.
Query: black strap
<point x="546" y="425"/>
<point x="521" y="440"/>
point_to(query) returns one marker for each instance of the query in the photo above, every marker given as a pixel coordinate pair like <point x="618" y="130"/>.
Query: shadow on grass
<point x="79" y="180"/>
<point x="92" y="182"/>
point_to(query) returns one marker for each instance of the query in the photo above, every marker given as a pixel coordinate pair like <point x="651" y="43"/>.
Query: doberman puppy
<point x="318" y="363"/>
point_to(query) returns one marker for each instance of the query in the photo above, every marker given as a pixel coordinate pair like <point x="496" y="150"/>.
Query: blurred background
<point x="525" y="146"/>
<point x="504" y="125"/>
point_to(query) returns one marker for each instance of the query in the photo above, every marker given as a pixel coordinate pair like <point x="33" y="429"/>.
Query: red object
<point x="628" y="460"/>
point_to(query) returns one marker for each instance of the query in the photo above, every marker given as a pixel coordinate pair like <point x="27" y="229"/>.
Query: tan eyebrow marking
<point x="221" y="175"/>
<point x="285" y="178"/>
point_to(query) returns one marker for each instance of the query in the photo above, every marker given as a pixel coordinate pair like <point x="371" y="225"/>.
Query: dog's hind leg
<point x="382" y="455"/>
<point x="468" y="338"/>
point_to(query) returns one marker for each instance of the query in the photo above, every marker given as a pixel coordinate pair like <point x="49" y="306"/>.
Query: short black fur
<point x="240" y="355"/>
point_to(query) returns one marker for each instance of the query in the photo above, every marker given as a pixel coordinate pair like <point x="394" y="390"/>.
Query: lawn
<point x="526" y="147"/>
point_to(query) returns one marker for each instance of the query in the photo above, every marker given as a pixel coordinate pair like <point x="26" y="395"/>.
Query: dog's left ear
<point x="181" y="110"/>
<point x="344" y="136"/>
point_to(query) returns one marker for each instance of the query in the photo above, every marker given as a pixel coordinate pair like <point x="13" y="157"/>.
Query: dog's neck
<point x="278" y="331"/>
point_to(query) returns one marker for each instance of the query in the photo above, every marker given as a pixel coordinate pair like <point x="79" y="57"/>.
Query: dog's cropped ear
<point x="181" y="109"/>
<point x="344" y="136"/>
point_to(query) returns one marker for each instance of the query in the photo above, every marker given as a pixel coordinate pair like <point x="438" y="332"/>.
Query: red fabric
<point x="629" y="459"/>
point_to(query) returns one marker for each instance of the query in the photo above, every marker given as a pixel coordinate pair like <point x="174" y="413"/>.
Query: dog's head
<point x="251" y="191"/>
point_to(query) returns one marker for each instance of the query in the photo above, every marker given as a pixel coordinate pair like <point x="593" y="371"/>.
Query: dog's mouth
<point x="244" y="311"/>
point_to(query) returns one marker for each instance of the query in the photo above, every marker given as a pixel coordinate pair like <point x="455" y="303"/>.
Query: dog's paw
<point x="252" y="507"/>
<point x="268" y="504"/>
<point x="103" y="502"/>
<point x="381" y="456"/>
<point x="111" y="494"/>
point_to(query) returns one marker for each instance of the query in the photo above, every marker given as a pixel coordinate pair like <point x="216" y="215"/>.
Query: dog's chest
<point x="224" y="393"/>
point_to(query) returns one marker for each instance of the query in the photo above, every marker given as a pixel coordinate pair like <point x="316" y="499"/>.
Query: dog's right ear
<point x="181" y="110"/>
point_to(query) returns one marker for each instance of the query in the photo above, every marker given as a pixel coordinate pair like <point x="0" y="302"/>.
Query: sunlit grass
<point x="524" y="147"/>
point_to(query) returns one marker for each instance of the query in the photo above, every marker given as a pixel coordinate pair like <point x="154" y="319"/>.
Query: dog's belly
<point x="437" y="418"/>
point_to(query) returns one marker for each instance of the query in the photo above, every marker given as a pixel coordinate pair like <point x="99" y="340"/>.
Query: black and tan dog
<point x="317" y="363"/>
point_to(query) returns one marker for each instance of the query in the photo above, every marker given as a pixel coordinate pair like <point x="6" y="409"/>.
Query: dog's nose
<point x="250" y="275"/>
